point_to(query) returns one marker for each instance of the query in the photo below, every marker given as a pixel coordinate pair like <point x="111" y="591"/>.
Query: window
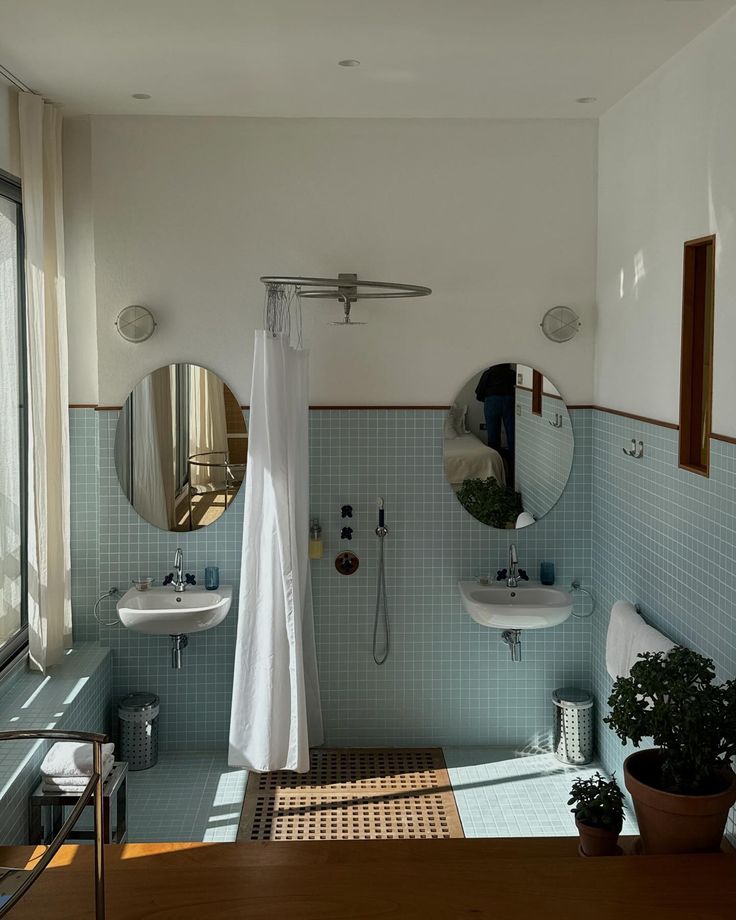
<point x="696" y="367"/>
<point x="13" y="453"/>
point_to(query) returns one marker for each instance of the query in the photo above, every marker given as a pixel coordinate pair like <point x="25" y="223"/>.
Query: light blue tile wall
<point x="544" y="453"/>
<point x="75" y="695"/>
<point x="85" y="523"/>
<point x="665" y="539"/>
<point x="447" y="680"/>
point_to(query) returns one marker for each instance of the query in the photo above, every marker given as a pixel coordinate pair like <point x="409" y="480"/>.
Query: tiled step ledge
<point x="75" y="694"/>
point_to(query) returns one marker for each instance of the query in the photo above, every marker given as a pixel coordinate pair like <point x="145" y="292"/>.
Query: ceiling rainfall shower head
<point x="347" y="288"/>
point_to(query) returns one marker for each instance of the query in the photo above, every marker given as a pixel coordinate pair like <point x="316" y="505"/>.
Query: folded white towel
<point x="648" y="639"/>
<point x="72" y="758"/>
<point x="623" y="625"/>
<point x="74" y="784"/>
<point x="628" y="637"/>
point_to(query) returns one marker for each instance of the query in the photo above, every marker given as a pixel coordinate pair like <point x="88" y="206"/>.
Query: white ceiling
<point x="419" y="58"/>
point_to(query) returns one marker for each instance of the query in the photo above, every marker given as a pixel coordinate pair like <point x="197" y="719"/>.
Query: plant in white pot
<point x="598" y="806"/>
<point x="684" y="787"/>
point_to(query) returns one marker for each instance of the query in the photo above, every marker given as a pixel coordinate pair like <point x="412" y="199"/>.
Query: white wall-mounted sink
<point x="530" y="606"/>
<point x="162" y="611"/>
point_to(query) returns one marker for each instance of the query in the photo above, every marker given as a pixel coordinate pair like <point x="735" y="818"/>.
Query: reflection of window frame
<point x="696" y="364"/>
<point x="537" y="382"/>
<point x="16" y="646"/>
<point x="181" y="427"/>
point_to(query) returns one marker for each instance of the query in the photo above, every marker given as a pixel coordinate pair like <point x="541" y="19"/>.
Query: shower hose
<point x="381" y="602"/>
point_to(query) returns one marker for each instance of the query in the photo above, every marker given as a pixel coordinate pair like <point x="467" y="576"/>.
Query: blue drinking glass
<point x="211" y="577"/>
<point x="547" y="573"/>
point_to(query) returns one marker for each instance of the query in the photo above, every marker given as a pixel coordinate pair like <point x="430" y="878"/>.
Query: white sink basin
<point x="530" y="606"/>
<point x="164" y="612"/>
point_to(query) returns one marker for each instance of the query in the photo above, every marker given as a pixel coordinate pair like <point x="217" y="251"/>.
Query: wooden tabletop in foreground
<point x="397" y="879"/>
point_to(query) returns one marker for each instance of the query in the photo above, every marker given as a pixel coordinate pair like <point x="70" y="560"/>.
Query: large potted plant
<point x="684" y="787"/>
<point x="598" y="806"/>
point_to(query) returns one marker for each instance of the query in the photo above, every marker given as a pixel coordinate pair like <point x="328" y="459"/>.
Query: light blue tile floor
<point x="185" y="797"/>
<point x="504" y="793"/>
<point x="499" y="793"/>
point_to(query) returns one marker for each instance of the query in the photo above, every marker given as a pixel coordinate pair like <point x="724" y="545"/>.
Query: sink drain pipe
<point x="512" y="638"/>
<point x="178" y="644"/>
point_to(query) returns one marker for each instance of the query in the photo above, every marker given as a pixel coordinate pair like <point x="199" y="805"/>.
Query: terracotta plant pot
<point x="596" y="841"/>
<point x="671" y="823"/>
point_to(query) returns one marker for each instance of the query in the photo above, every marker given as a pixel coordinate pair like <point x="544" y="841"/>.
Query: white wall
<point x="80" y="261"/>
<point x="498" y="217"/>
<point x="9" y="153"/>
<point x="667" y="173"/>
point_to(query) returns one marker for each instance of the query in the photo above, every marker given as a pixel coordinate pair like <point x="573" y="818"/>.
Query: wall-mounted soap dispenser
<point x="316" y="547"/>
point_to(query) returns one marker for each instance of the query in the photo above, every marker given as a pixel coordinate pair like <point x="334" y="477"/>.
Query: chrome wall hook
<point x="636" y="450"/>
<point x="557" y="422"/>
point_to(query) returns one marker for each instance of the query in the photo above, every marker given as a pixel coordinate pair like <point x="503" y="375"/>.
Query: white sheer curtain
<point x="49" y="608"/>
<point x="153" y="449"/>
<point x="10" y="399"/>
<point x="207" y="425"/>
<point x="276" y="711"/>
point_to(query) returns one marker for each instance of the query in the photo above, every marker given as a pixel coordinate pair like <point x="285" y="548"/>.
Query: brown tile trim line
<point x="728" y="439"/>
<point x="312" y="408"/>
<point x="548" y="395"/>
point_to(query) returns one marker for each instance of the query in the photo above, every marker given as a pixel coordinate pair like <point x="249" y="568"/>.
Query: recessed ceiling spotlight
<point x="140" y="95"/>
<point x="349" y="62"/>
<point x="587" y="99"/>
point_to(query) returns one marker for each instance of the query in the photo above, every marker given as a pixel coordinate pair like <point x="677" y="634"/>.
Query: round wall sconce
<point x="560" y="324"/>
<point x="135" y="323"/>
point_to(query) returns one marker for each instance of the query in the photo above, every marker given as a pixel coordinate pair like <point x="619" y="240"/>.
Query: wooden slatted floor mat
<point x="354" y="794"/>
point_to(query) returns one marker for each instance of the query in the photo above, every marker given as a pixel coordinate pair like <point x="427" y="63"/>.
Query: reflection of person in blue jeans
<point x="496" y="390"/>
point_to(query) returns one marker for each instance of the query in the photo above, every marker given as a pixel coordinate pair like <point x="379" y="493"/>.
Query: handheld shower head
<point x="381" y="529"/>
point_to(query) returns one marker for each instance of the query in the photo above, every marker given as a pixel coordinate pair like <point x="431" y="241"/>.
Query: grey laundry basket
<point x="138" y="727"/>
<point x="573" y="726"/>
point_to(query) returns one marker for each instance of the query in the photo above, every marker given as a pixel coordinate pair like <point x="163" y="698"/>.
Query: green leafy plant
<point x="673" y="699"/>
<point x="598" y="802"/>
<point x="490" y="502"/>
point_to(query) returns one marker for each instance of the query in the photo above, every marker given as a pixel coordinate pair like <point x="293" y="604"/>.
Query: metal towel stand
<point x="20" y="880"/>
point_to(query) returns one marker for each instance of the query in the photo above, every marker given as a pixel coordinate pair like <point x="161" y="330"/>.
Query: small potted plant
<point x="684" y="787"/>
<point x="490" y="502"/>
<point x="598" y="806"/>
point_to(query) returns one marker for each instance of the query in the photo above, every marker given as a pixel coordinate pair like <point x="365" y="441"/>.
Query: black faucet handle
<point x="346" y="533"/>
<point x="346" y="511"/>
<point x="190" y="579"/>
<point x="522" y="575"/>
<point x="168" y="578"/>
<point x="501" y="575"/>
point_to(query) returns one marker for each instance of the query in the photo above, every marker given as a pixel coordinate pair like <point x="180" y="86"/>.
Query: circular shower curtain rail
<point x="346" y="287"/>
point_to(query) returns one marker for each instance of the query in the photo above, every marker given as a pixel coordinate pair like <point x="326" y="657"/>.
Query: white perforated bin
<point x="138" y="728"/>
<point x="573" y="726"/>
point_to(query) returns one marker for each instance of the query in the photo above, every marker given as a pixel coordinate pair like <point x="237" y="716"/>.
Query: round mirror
<point x="180" y="447"/>
<point x="508" y="446"/>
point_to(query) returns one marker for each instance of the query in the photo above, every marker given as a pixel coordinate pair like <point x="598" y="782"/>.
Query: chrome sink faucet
<point x="513" y="574"/>
<point x="178" y="578"/>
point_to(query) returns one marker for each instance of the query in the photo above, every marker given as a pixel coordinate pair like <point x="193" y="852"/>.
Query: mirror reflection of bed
<point x="507" y="446"/>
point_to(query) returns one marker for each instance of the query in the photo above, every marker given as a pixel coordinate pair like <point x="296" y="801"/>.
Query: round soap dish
<point x="141" y="584"/>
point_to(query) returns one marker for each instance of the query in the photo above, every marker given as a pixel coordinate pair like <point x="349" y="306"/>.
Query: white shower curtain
<point x="276" y="711"/>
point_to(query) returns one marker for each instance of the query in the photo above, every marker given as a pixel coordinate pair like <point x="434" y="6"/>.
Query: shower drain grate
<point x="354" y="794"/>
